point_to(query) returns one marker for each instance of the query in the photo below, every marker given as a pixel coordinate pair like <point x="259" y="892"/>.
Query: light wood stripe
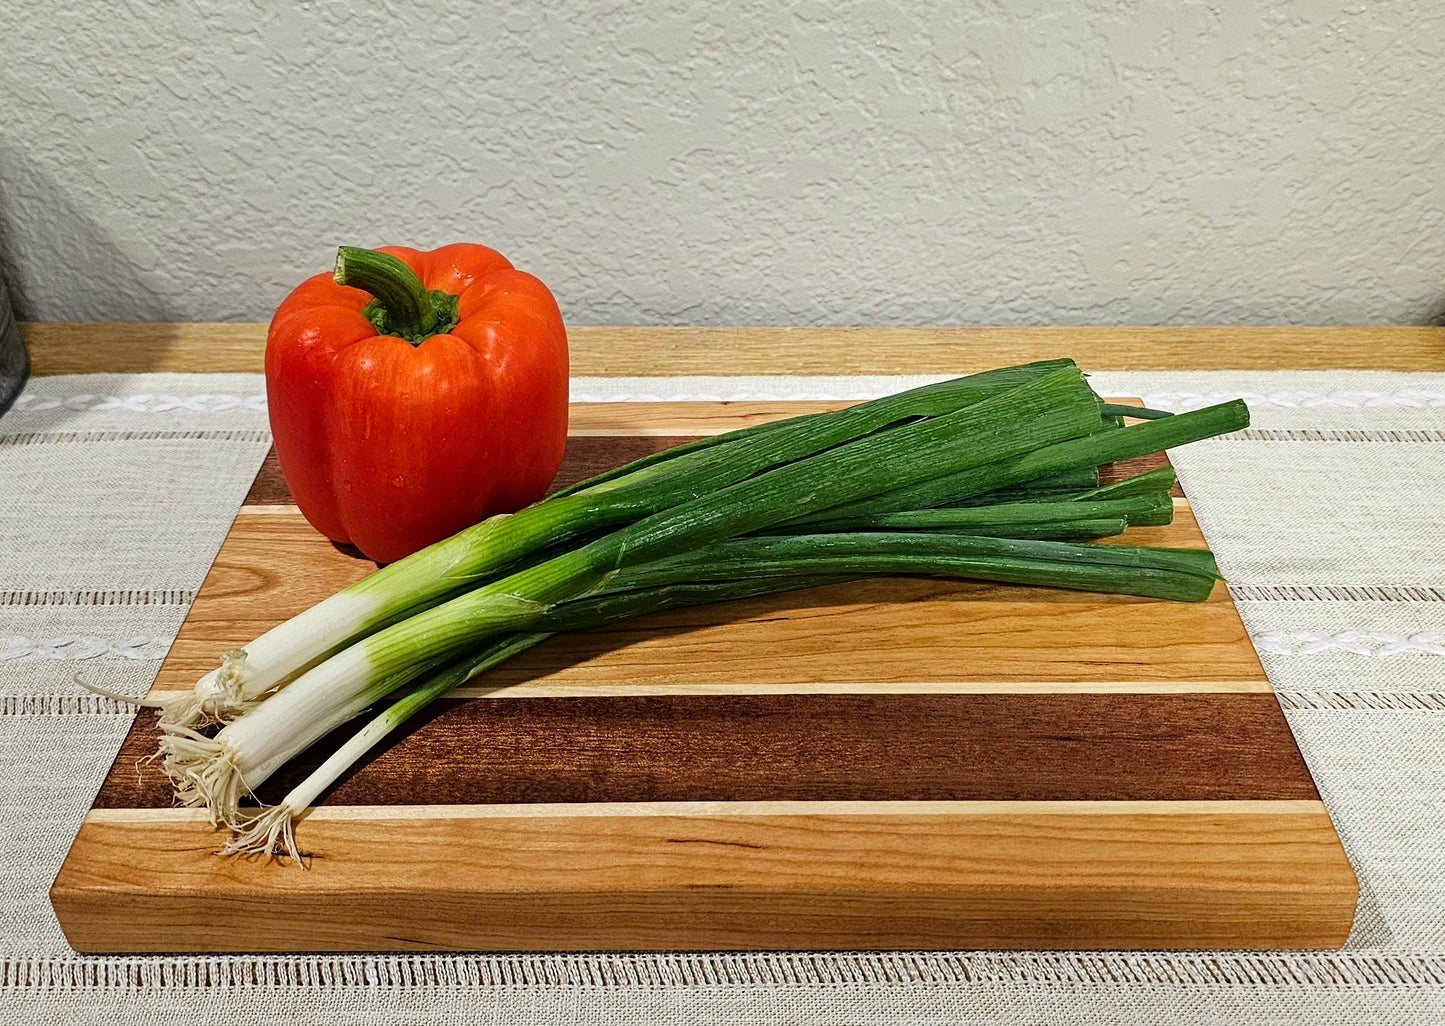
<point x="275" y="509"/>
<point x="557" y="810"/>
<point x="73" y="348"/>
<point x="563" y="689"/>
<point x="704" y="417"/>
<point x="269" y="510"/>
<point x="552" y="689"/>
<point x="1134" y="875"/>
<point x="686" y="418"/>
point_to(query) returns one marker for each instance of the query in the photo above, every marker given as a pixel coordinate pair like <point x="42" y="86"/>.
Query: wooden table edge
<point x="619" y="351"/>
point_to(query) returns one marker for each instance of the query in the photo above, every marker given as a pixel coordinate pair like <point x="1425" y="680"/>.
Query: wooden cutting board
<point x="900" y="763"/>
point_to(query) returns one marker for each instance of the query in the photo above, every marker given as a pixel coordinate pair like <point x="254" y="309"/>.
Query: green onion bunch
<point x="991" y="477"/>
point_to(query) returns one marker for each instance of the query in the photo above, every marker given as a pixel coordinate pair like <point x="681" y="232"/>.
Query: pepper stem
<point x="409" y="310"/>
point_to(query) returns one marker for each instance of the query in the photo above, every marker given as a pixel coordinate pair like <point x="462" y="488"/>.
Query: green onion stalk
<point x="499" y="545"/>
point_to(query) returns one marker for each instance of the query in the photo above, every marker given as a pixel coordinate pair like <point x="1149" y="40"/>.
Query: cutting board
<point x="898" y="763"/>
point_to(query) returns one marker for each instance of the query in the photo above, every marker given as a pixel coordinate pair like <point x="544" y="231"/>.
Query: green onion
<point x="1186" y="575"/>
<point x="992" y="478"/>
<point x="1050" y="486"/>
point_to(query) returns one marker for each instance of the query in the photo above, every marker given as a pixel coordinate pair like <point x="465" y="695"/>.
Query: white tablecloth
<point x="1326" y="517"/>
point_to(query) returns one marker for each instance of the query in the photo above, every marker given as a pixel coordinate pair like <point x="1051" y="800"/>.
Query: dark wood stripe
<point x="269" y="488"/>
<point x="802" y="747"/>
<point x="592" y="454"/>
<point x="586" y="455"/>
<point x="1111" y="473"/>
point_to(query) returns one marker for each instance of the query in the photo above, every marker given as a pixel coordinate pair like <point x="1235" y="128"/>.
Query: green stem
<point x="1137" y="412"/>
<point x="409" y="309"/>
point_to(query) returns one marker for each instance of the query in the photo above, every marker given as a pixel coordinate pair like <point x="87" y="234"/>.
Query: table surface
<point x="75" y="348"/>
<point x="1346" y="616"/>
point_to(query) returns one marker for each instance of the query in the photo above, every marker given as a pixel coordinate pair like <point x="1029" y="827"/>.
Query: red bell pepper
<point x="413" y="394"/>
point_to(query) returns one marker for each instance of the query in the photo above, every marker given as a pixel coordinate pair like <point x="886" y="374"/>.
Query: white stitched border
<point x="77" y="647"/>
<point x="1292" y="399"/>
<point x="32" y="402"/>
<point x="1363" y="643"/>
<point x="1361" y="701"/>
<point x="77" y="704"/>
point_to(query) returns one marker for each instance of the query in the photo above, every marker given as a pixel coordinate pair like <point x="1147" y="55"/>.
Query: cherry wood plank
<point x="963" y="875"/>
<point x="899" y="747"/>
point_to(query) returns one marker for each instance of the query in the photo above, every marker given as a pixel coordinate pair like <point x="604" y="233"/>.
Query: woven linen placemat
<point x="116" y="490"/>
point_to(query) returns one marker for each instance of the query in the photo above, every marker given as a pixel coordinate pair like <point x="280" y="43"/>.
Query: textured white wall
<point x="1129" y="161"/>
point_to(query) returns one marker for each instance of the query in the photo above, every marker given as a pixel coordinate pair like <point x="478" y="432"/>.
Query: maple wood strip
<point x="568" y="810"/>
<point x="254" y="510"/>
<point x="628" y="689"/>
<point x="79" y="348"/>
<point x="1189" y="876"/>
<point x="687" y="417"/>
<point x="545" y="689"/>
<point x="885" y="631"/>
<point x="889" y="746"/>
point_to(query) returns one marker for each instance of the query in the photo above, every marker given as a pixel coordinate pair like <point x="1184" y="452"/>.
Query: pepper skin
<point x="417" y="404"/>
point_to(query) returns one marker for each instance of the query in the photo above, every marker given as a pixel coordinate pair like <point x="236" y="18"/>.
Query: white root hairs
<point x="272" y="831"/>
<point x="190" y="711"/>
<point x="219" y="697"/>
<point x="183" y="712"/>
<point x="204" y="774"/>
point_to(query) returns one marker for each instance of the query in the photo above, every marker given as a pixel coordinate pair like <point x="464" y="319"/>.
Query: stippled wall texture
<point x="692" y="162"/>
